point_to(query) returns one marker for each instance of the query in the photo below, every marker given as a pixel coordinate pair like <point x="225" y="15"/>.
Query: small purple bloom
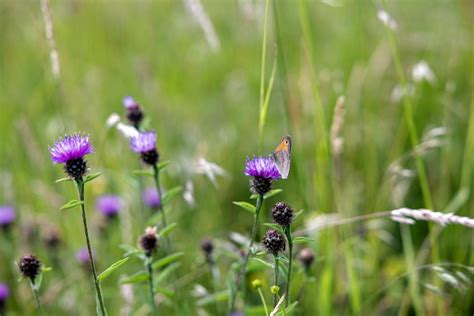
<point x="82" y="255"/>
<point x="262" y="167"/>
<point x="109" y="205"/>
<point x="144" y="142"/>
<point x="129" y="103"/>
<point x="151" y="198"/>
<point x="4" y="292"/>
<point x="70" y="147"/>
<point x="7" y="215"/>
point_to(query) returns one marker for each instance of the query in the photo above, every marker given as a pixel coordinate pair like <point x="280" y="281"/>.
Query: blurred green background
<point x="197" y="76"/>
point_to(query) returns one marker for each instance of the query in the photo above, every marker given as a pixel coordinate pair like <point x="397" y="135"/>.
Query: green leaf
<point x="274" y="226"/>
<point x="268" y="195"/>
<point x="166" y="272"/>
<point x="167" y="260"/>
<point x="130" y="250"/>
<point x="162" y="165"/>
<point x="297" y="214"/>
<point x="167" y="230"/>
<point x="138" y="277"/>
<point x="213" y="298"/>
<point x="168" y="293"/>
<point x="246" y="206"/>
<point x="97" y="308"/>
<point x="144" y="172"/>
<point x="268" y="264"/>
<point x="155" y="218"/>
<point x="288" y="309"/>
<point x="169" y="195"/>
<point x="302" y="240"/>
<point x="92" y="176"/>
<point x="111" y="268"/>
<point x="71" y="204"/>
<point x="63" y="180"/>
<point x="38" y="281"/>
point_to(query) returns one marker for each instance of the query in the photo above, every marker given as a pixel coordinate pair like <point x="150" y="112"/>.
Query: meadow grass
<point x="278" y="68"/>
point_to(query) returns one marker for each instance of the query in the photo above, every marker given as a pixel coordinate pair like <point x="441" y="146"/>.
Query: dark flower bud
<point x="282" y="214"/>
<point x="150" y="157"/>
<point x="274" y="242"/>
<point x="30" y="267"/>
<point x="306" y="257"/>
<point x="52" y="238"/>
<point x="149" y="241"/>
<point x="207" y="246"/>
<point x="261" y="185"/>
<point x="134" y="112"/>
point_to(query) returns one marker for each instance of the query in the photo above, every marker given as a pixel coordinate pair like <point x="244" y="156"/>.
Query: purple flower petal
<point x="70" y="147"/>
<point x="109" y="205"/>
<point x="144" y="142"/>
<point x="7" y="215"/>
<point x="262" y="167"/>
<point x="151" y="198"/>
<point x="129" y="102"/>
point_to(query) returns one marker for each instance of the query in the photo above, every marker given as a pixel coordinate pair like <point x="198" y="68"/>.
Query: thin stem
<point x="247" y="255"/>
<point x="262" y="298"/>
<point x="214" y="275"/>
<point x="412" y="273"/>
<point x="150" y="285"/>
<point x="156" y="173"/>
<point x="37" y="300"/>
<point x="262" y="72"/>
<point x="290" y="261"/>
<point x="80" y="189"/>
<point x="275" y="298"/>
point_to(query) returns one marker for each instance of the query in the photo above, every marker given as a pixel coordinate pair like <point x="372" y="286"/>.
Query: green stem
<point x="247" y="255"/>
<point x="412" y="273"/>
<point x="275" y="295"/>
<point x="150" y="284"/>
<point x="80" y="189"/>
<point x="262" y="298"/>
<point x="156" y="176"/>
<point x="290" y="261"/>
<point x="262" y="73"/>
<point x="37" y="300"/>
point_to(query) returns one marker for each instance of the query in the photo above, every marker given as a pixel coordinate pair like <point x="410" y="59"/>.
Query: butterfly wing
<point x="282" y="157"/>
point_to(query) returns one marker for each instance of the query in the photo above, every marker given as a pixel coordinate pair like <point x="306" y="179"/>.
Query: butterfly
<point x="282" y="156"/>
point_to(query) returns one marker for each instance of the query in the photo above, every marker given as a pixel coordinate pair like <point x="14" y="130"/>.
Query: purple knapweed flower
<point x="145" y="144"/>
<point x="82" y="256"/>
<point x="109" y="205"/>
<point x="7" y="216"/>
<point x="134" y="112"/>
<point x="70" y="151"/>
<point x="4" y="293"/>
<point x="151" y="198"/>
<point x="264" y="172"/>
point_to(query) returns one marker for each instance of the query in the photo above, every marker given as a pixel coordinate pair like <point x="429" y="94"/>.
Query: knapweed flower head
<point x="264" y="172"/>
<point x="52" y="239"/>
<point x="207" y="246"/>
<point x="274" y="242"/>
<point x="109" y="205"/>
<point x="145" y="144"/>
<point x="70" y="151"/>
<point x="151" y="198"/>
<point x="7" y="216"/>
<point x="4" y="293"/>
<point x="149" y="241"/>
<point x="82" y="256"/>
<point x="306" y="257"/>
<point x="134" y="112"/>
<point x="282" y="214"/>
<point x="30" y="267"/>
